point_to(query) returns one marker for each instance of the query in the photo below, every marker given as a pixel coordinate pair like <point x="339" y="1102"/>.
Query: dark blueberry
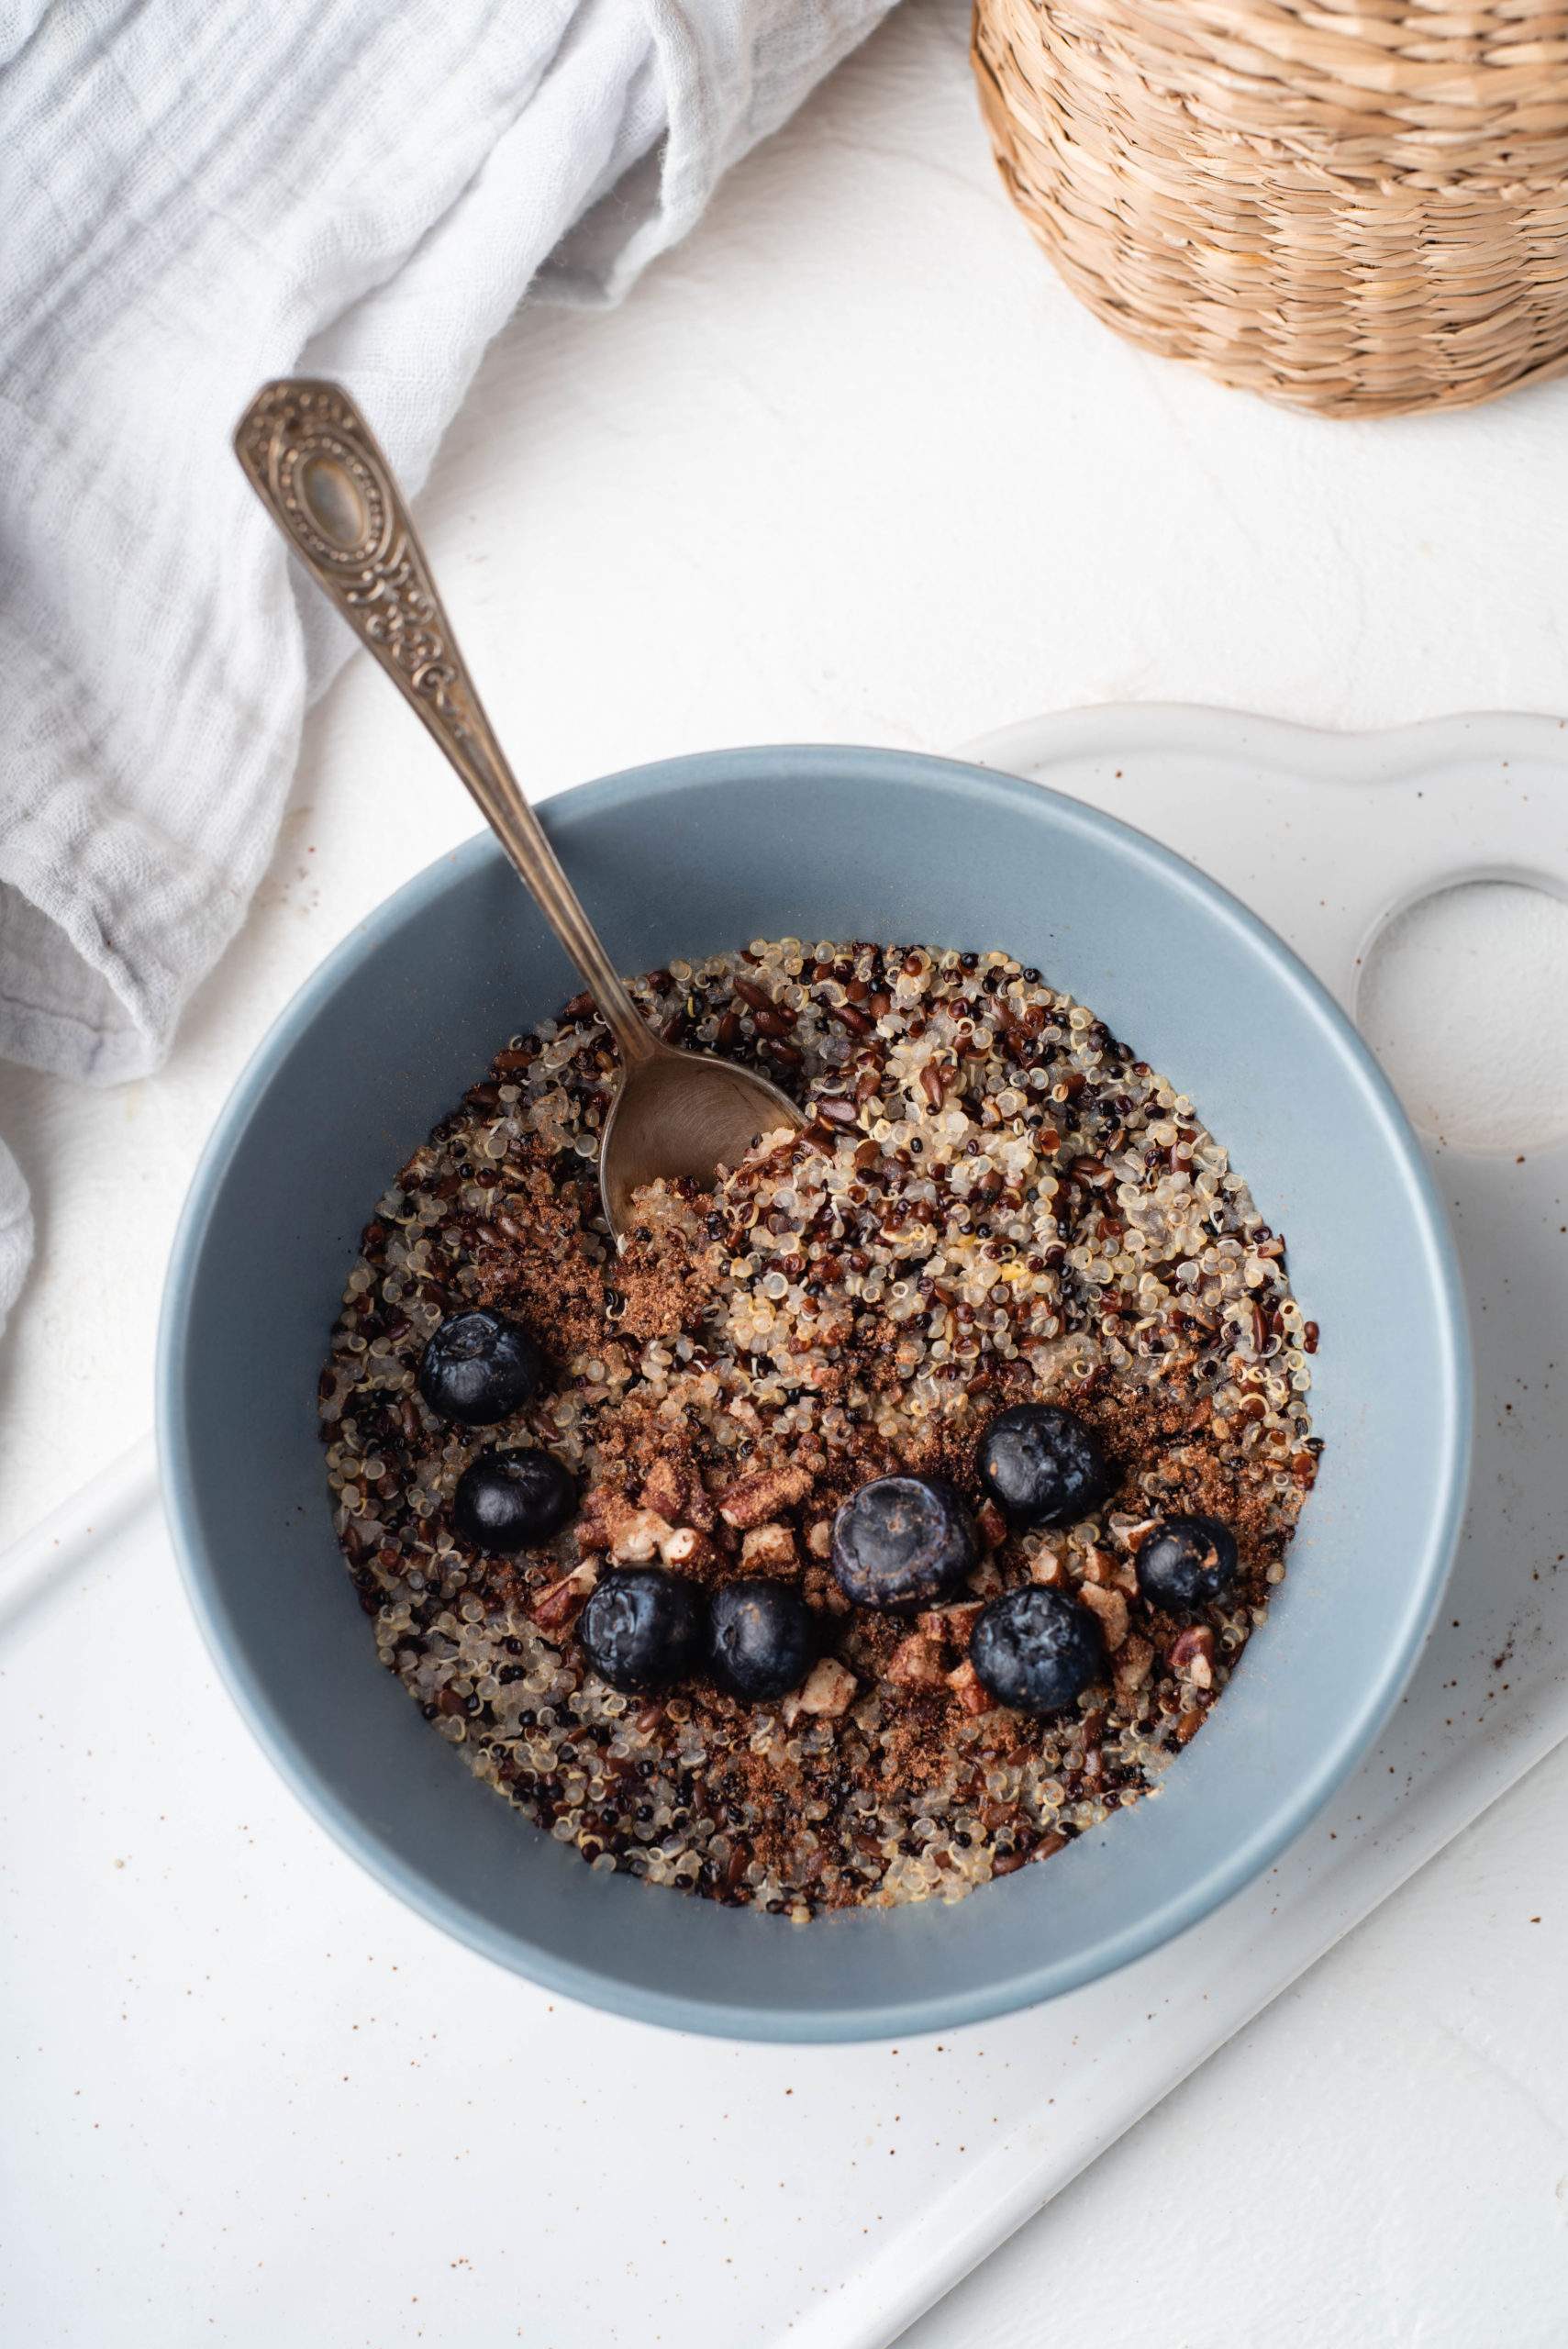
<point x="1035" y="1650"/>
<point x="1187" y="1562"/>
<point x="642" y="1627"/>
<point x="903" y="1543"/>
<point x="761" y="1639"/>
<point x="507" y="1499"/>
<point x="479" y="1367"/>
<point x="1041" y="1464"/>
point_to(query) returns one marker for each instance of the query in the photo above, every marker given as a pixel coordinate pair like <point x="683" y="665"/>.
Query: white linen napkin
<point x="202" y="194"/>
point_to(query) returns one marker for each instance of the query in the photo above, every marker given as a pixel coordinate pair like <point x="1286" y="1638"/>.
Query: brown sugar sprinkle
<point x="995" y="1203"/>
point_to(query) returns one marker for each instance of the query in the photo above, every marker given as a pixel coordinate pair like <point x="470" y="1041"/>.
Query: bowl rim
<point x="1427" y="1569"/>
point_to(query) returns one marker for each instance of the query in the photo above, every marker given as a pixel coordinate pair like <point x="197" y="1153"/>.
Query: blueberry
<point x="1041" y="1464"/>
<point x="479" y="1367"/>
<point x="903" y="1543"/>
<point x="761" y="1639"/>
<point x="642" y="1627"/>
<point x="1035" y="1650"/>
<point x="507" y="1499"/>
<point x="1187" y="1562"/>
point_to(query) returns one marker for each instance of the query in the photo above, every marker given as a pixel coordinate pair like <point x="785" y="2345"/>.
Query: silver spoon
<point x="316" y="466"/>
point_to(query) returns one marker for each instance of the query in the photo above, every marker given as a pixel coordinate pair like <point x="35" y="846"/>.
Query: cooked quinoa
<point x="995" y="1203"/>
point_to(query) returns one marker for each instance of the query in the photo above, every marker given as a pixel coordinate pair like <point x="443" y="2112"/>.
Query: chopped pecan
<point x="829" y="1689"/>
<point x="970" y="1690"/>
<point x="557" y="1604"/>
<point x="1134" y="1662"/>
<point x="993" y="1525"/>
<point x="637" y="1535"/>
<point x="1193" y="1653"/>
<point x="953" y="1623"/>
<point x="917" y="1663"/>
<point x="1111" y="1608"/>
<point x="1117" y="1574"/>
<point x="673" y="1488"/>
<point x="753" y="1500"/>
<point x="820" y="1590"/>
<point x="768" y="1549"/>
<point x="820" y="1541"/>
<point x="688" y="1550"/>
<point x="603" y="1512"/>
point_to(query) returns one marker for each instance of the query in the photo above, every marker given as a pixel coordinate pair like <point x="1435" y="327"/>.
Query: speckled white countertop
<point x="851" y="464"/>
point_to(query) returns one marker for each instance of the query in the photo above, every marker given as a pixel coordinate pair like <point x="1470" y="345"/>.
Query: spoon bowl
<point x="323" y="477"/>
<point x="682" y="1114"/>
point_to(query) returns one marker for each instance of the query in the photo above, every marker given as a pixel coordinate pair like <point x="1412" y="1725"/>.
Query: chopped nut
<point x="820" y="1590"/>
<point x="986" y="1580"/>
<point x="1134" y="1662"/>
<point x="820" y="1541"/>
<point x="1111" y="1608"/>
<point x="639" y="1535"/>
<point x="1048" y="1568"/>
<point x="917" y="1663"/>
<point x="993" y="1525"/>
<point x="768" y="1549"/>
<point x="829" y="1690"/>
<point x="953" y="1623"/>
<point x="1133" y="1536"/>
<point x="970" y="1690"/>
<point x="1103" y="1566"/>
<point x="560" y="1601"/>
<point x="674" y="1489"/>
<point x="1193" y="1653"/>
<point x="688" y="1550"/>
<point x="753" y="1500"/>
<point x="662" y="1489"/>
<point x="607" y="1518"/>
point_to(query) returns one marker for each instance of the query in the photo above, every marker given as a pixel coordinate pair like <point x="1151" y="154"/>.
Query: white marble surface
<point x="851" y="465"/>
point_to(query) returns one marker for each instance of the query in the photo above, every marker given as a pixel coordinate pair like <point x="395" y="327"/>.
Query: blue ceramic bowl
<point x="686" y="858"/>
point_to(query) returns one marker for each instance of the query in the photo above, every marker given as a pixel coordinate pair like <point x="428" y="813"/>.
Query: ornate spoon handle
<point x="317" y="467"/>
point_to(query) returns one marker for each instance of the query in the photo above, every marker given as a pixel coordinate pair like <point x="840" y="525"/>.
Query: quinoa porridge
<point x="869" y="1527"/>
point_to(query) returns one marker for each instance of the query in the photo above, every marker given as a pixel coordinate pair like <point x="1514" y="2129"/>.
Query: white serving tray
<point x="251" y="2098"/>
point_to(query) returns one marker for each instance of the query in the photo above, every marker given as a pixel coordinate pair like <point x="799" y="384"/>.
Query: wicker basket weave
<point x="1358" y="208"/>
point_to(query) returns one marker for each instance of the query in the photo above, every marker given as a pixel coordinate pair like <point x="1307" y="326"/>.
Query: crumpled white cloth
<point x="202" y="194"/>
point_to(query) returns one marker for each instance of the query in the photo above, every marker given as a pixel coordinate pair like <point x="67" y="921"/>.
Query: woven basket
<point x="1356" y="208"/>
